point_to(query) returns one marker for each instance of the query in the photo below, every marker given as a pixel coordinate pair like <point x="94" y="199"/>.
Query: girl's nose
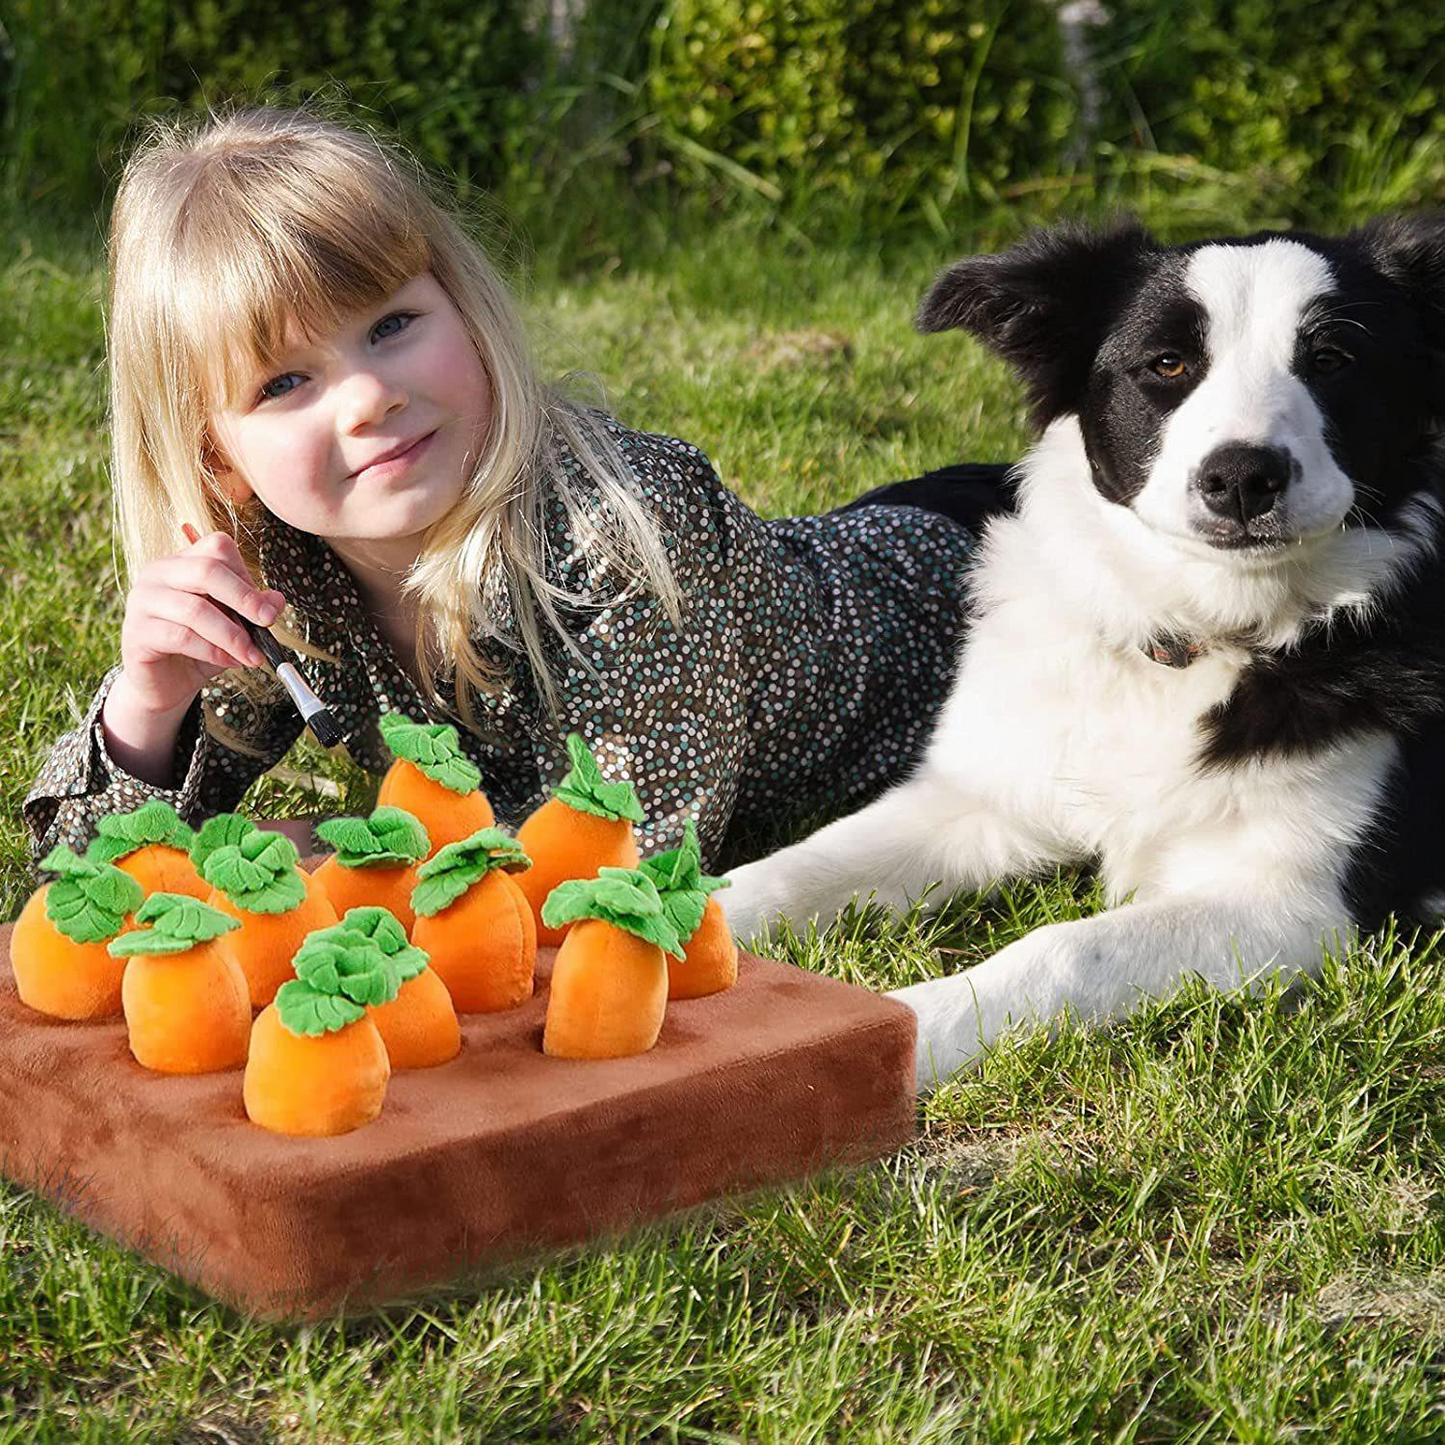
<point x="367" y="398"/>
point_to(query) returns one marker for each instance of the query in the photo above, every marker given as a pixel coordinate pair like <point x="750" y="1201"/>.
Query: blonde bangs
<point x="274" y="253"/>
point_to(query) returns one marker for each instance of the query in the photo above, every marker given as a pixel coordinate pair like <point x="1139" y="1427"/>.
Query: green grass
<point x="1221" y="1219"/>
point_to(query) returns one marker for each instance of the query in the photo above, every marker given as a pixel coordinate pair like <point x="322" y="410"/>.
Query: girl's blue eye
<point x="268" y="395"/>
<point x="407" y="317"/>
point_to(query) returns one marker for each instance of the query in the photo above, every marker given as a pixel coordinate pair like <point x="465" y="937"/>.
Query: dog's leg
<point x="1101" y="967"/>
<point x="922" y="832"/>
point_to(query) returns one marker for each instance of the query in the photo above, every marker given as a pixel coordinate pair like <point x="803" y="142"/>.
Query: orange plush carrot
<point x="473" y="922"/>
<point x="609" y="983"/>
<point x="433" y="780"/>
<point x="254" y="879"/>
<point x="57" y="951"/>
<point x="375" y="861"/>
<point x="419" y="1026"/>
<point x="317" y="1064"/>
<point x="186" y="1005"/>
<point x="153" y="846"/>
<point x="710" y="958"/>
<point x="585" y="825"/>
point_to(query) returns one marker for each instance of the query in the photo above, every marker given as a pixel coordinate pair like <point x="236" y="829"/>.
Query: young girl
<point x="310" y="359"/>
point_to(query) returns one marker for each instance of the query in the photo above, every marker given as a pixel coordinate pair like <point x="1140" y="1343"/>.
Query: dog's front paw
<point x="751" y="901"/>
<point x="948" y="1028"/>
<point x="961" y="1016"/>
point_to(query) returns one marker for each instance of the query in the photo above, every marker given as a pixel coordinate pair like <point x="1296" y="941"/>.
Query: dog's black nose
<point x="1240" y="481"/>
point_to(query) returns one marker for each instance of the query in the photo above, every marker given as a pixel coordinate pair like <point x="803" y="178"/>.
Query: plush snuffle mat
<point x="496" y="1154"/>
<point x="308" y="1086"/>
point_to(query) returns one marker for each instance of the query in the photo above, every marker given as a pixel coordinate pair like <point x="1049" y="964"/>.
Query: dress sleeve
<point x="80" y="782"/>
<point x="664" y="707"/>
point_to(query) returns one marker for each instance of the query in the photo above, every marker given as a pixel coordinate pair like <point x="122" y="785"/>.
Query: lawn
<point x="1219" y="1220"/>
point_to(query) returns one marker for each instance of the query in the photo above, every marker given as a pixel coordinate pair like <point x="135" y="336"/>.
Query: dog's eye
<point x="1328" y="359"/>
<point x="1169" y="366"/>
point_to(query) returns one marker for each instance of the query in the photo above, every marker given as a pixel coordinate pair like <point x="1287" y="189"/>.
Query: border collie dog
<point x="1207" y="652"/>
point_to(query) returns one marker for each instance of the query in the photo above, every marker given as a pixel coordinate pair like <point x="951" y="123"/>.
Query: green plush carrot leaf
<point x="389" y="838"/>
<point x="585" y="789"/>
<point x="225" y="830"/>
<point x="624" y="897"/>
<point x="457" y="866"/>
<point x="88" y="902"/>
<point x="385" y="929"/>
<point x="339" y="961"/>
<point x="178" y="922"/>
<point x="121" y="834"/>
<point x="258" y="873"/>
<point x="306" y="1010"/>
<point x="433" y="748"/>
<point x="682" y="884"/>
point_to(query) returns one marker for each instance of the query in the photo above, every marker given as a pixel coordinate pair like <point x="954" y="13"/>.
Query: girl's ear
<point x="231" y="483"/>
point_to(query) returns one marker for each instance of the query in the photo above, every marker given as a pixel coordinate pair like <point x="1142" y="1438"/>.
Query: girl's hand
<point x="175" y="638"/>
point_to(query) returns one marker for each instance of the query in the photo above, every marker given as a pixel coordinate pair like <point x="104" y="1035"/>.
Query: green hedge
<point x="452" y="75"/>
<point x="871" y="100"/>
<point x="1335" y="101"/>
<point x="873" y="108"/>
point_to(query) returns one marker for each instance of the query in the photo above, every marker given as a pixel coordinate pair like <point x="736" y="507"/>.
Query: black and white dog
<point x="1208" y="652"/>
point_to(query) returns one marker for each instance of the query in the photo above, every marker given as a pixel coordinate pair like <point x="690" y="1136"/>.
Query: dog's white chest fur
<point x="1092" y="752"/>
<point x="1093" y="745"/>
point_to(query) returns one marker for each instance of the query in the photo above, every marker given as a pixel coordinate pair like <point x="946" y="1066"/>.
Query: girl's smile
<point x="366" y="436"/>
<point x="395" y="461"/>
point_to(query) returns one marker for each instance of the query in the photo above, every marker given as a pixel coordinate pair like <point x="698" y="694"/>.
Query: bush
<point x="843" y="115"/>
<point x="863" y="100"/>
<point x="1344" y="105"/>
<point x="451" y="75"/>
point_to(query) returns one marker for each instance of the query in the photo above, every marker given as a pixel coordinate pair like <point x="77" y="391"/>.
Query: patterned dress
<point x="813" y="657"/>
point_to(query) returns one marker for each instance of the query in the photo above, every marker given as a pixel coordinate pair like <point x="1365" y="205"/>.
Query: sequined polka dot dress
<point x="812" y="658"/>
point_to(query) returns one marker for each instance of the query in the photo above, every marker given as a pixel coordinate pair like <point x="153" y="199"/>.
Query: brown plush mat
<point x="499" y="1153"/>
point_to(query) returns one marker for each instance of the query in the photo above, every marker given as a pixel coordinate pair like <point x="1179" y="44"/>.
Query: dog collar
<point x="1171" y="650"/>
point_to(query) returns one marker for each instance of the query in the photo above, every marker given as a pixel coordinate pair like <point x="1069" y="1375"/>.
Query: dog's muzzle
<point x="1235" y="492"/>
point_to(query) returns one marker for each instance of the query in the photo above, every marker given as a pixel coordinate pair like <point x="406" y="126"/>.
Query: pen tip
<point x="324" y="728"/>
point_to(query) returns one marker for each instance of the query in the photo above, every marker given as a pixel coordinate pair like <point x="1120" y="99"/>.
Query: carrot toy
<point x="474" y="922"/>
<point x="375" y="861"/>
<point x="584" y="826"/>
<point x="419" y="1026"/>
<point x="710" y="958"/>
<point x="187" y="1009"/>
<point x="153" y="846"/>
<point x="57" y="951"/>
<point x="609" y="983"/>
<point x="318" y="1065"/>
<point x="433" y="780"/>
<point x="254" y="879"/>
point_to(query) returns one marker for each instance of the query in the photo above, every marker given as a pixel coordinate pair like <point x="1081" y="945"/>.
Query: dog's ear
<point x="1043" y="305"/>
<point x="1410" y="250"/>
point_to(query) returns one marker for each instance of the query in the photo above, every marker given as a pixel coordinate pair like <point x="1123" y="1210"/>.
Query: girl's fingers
<point x="194" y="648"/>
<point x="177" y="621"/>
<point x="213" y="567"/>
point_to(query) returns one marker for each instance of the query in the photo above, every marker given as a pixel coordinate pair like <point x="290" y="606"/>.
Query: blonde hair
<point x="234" y="223"/>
